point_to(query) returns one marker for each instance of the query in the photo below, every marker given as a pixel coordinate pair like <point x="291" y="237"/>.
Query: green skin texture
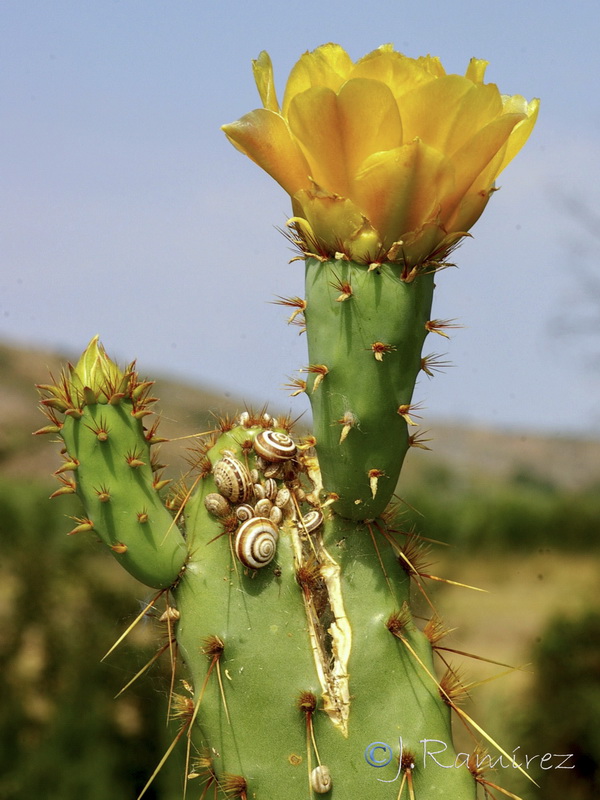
<point x="260" y="617"/>
<point x="156" y="551"/>
<point x="382" y="308"/>
<point x="261" y="620"/>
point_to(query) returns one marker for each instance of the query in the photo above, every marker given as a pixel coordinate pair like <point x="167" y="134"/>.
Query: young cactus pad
<point x="365" y="328"/>
<point x="98" y="411"/>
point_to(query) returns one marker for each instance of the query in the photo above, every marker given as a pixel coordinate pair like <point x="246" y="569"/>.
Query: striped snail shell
<point x="256" y="542"/>
<point x="232" y="479"/>
<point x="312" y="520"/>
<point x="244" y="512"/>
<point x="217" y="504"/>
<point x="270" y="486"/>
<point x="259" y="491"/>
<point x="320" y="779"/>
<point x="276" y="515"/>
<point x="274" y="446"/>
<point x="263" y="507"/>
<point x="283" y="496"/>
<point x="272" y="471"/>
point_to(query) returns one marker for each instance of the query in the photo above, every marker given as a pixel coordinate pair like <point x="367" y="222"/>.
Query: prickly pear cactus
<point x="309" y="674"/>
<point x="286" y="573"/>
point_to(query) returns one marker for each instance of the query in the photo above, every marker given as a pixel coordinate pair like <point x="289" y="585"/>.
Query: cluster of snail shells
<point x="257" y="506"/>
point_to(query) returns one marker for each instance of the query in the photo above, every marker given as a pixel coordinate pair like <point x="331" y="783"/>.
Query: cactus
<point x="290" y="588"/>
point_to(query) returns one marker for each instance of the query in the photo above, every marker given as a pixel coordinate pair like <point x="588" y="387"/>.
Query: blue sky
<point x="126" y="212"/>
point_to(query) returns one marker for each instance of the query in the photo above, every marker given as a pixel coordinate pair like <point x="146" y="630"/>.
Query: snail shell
<point x="312" y="520"/>
<point x="276" y="515"/>
<point x="217" y="504"/>
<point x="274" y="446"/>
<point x="283" y="496"/>
<point x="256" y="542"/>
<point x="270" y="487"/>
<point x="244" y="512"/>
<point x="259" y="491"/>
<point x="273" y="471"/>
<point x="232" y="479"/>
<point x="254" y="476"/>
<point x="320" y="779"/>
<point x="299" y="494"/>
<point x="263" y="507"/>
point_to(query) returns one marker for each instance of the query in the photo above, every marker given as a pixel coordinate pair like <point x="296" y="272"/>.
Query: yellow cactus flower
<point x="386" y="158"/>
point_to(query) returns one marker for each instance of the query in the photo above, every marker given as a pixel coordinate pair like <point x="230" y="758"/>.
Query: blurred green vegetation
<point x="560" y="714"/>
<point x="63" y="602"/>
<point x="522" y="513"/>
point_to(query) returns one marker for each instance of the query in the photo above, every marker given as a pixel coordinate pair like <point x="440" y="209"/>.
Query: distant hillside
<point x="186" y="409"/>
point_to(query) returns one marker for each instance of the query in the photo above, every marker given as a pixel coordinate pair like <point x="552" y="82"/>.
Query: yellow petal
<point x="476" y="70"/>
<point x="328" y="66"/>
<point x="338" y="226"/>
<point x="477" y="155"/>
<point x="265" y="137"/>
<point x="471" y="207"/>
<point x="265" y="83"/>
<point x="403" y="189"/>
<point x="480" y="105"/>
<point x="521" y="131"/>
<point x="432" y="65"/>
<point x="446" y="112"/>
<point x="400" y="73"/>
<point x="315" y="122"/>
<point x="369" y="120"/>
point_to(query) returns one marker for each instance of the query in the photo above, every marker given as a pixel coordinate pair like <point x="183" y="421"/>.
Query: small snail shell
<point x="232" y="479"/>
<point x="270" y="487"/>
<point x="263" y="507"/>
<point x="276" y="515"/>
<point x="299" y="494"/>
<point x="273" y="471"/>
<point x="274" y="446"/>
<point x="312" y="520"/>
<point x="217" y="504"/>
<point x="244" y="512"/>
<point x="256" y="542"/>
<point x="320" y="779"/>
<point x="282" y="498"/>
<point x="254" y="476"/>
<point x="259" y="491"/>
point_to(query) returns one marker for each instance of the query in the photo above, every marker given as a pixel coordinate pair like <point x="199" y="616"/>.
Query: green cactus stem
<point x="365" y="326"/>
<point x="308" y="672"/>
<point x="318" y="654"/>
<point x="107" y="456"/>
